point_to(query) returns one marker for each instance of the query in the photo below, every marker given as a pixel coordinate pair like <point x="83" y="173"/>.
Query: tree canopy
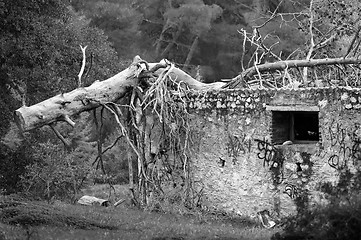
<point x="40" y="57"/>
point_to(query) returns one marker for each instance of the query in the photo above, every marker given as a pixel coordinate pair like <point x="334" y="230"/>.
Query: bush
<point x="341" y="219"/>
<point x="331" y="222"/>
<point x="55" y="173"/>
<point x="12" y="165"/>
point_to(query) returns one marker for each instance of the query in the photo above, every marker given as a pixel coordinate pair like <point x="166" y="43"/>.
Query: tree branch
<point x="67" y="119"/>
<point x="82" y="65"/>
<point x="62" y="139"/>
<point x="61" y="107"/>
<point x="312" y="43"/>
<point x="242" y="79"/>
<point x="353" y="42"/>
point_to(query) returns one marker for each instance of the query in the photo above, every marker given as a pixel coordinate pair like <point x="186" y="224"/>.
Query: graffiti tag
<point x="346" y="142"/>
<point x="291" y="190"/>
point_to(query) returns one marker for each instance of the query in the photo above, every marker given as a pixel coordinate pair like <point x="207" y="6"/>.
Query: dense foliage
<point x="40" y="57"/>
<point x="191" y="33"/>
<point x="55" y="173"/>
<point x="340" y="219"/>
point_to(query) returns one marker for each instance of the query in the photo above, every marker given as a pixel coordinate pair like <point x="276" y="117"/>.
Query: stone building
<point x="282" y="150"/>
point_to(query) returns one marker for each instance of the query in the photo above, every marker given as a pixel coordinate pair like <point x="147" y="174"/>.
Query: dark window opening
<point x="306" y="126"/>
<point x="298" y="127"/>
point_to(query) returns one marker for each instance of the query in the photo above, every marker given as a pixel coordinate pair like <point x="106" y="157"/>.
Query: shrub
<point x="331" y="222"/>
<point x="55" y="173"/>
<point x="341" y="219"/>
<point x="12" y="165"/>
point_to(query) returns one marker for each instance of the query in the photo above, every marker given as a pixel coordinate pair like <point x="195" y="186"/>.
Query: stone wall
<point x="240" y="169"/>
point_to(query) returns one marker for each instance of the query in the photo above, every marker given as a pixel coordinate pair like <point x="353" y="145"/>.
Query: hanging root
<point x="165" y="100"/>
<point x="156" y="109"/>
<point x="158" y="94"/>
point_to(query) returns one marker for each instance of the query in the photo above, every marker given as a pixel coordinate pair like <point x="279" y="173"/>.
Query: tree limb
<point x="61" y="107"/>
<point x="353" y="41"/>
<point x="62" y="139"/>
<point x="241" y="80"/>
<point x="312" y="43"/>
<point x="82" y="65"/>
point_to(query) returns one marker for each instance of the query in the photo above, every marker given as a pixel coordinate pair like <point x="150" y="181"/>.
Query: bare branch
<point x="324" y="43"/>
<point x="353" y="41"/>
<point x="257" y="41"/>
<point x="122" y="128"/>
<point x="282" y="65"/>
<point x="243" y="48"/>
<point x="116" y="112"/>
<point x="62" y="139"/>
<point x="82" y="65"/>
<point x="90" y="66"/>
<point x="273" y="16"/>
<point x="67" y="119"/>
<point x="312" y="42"/>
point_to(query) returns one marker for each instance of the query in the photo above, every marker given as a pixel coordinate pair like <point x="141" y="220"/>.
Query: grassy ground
<point x="38" y="220"/>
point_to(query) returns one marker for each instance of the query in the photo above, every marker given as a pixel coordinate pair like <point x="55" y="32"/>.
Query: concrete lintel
<point x="294" y="108"/>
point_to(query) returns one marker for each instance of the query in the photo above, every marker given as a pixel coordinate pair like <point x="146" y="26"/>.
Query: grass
<point x="21" y="219"/>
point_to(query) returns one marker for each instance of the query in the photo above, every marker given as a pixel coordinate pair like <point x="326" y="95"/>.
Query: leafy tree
<point x="196" y="18"/>
<point x="233" y="10"/>
<point x="120" y="22"/>
<point x="12" y="165"/>
<point x="55" y="173"/>
<point x="335" y="24"/>
<point x="40" y="57"/>
<point x="169" y="29"/>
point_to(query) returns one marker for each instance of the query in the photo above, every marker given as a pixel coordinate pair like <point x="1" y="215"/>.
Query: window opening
<point x="295" y="126"/>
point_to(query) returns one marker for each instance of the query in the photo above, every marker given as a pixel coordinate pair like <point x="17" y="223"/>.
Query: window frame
<point x="291" y="110"/>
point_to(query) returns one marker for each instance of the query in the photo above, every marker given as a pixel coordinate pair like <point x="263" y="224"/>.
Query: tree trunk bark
<point x="171" y="44"/>
<point x="160" y="40"/>
<point x="61" y="107"/>
<point x="191" y="51"/>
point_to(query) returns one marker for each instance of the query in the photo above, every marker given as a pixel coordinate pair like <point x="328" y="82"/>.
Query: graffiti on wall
<point x="221" y="162"/>
<point x="269" y="154"/>
<point x="356" y="151"/>
<point x="238" y="145"/>
<point x="345" y="144"/>
<point x="271" y="157"/>
<point x="335" y="162"/>
<point x="291" y="190"/>
<point x="292" y="184"/>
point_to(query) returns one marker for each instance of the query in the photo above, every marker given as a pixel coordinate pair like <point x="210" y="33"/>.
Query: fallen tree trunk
<point x="239" y="81"/>
<point x="61" y="107"/>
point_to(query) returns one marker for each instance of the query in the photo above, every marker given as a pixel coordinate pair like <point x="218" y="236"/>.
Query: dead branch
<point x="241" y="80"/>
<point x="312" y="42"/>
<point x="90" y="65"/>
<point x="62" y="139"/>
<point x="82" y="65"/>
<point x="61" y="107"/>
<point x="273" y="16"/>
<point x="256" y="40"/>
<point x="353" y="42"/>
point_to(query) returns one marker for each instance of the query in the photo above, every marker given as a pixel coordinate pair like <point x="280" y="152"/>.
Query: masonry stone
<point x="241" y="164"/>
